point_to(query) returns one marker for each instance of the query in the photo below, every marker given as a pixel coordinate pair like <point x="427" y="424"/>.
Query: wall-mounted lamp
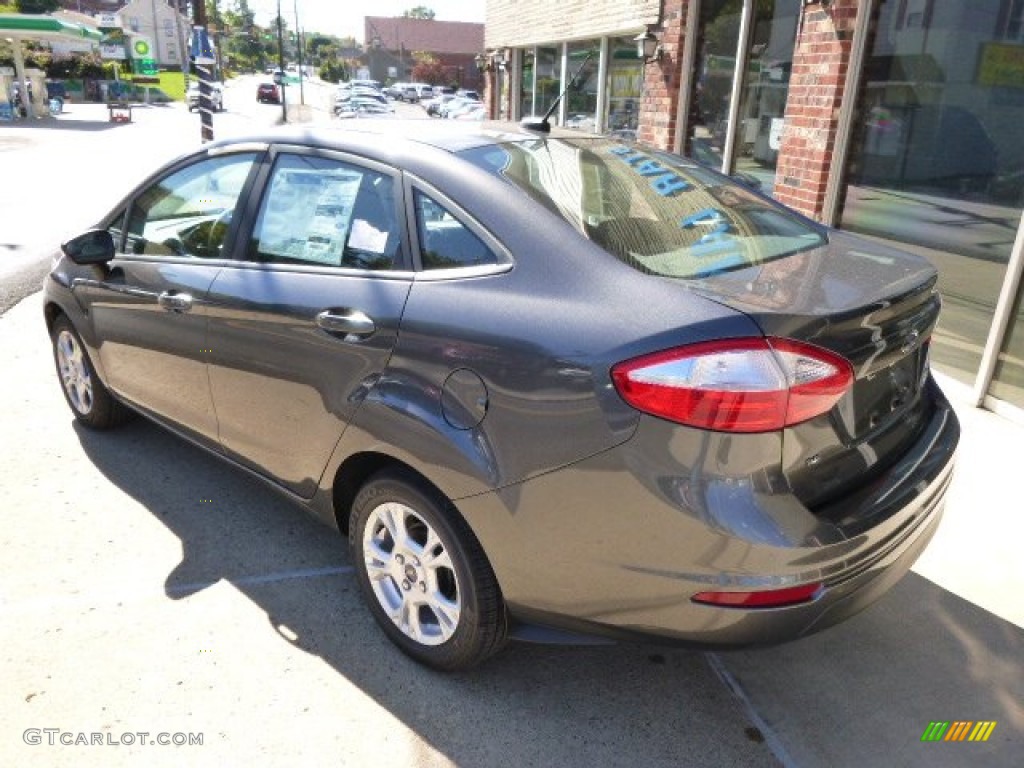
<point x="648" y="47"/>
<point x="500" y="58"/>
<point x="481" y="62"/>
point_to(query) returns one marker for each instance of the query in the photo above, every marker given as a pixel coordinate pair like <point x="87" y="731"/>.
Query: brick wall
<point x="514" y="23"/>
<point x="820" y="62"/>
<point x="660" y="99"/>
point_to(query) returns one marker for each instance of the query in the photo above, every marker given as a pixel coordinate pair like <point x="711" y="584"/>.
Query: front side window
<point x="654" y="211"/>
<point x="323" y="211"/>
<point x="188" y="212"/>
<point x="445" y="242"/>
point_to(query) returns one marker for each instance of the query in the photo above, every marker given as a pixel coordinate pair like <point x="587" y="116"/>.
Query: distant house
<point x="392" y="41"/>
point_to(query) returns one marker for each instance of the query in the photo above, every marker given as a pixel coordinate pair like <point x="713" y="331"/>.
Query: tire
<point x="89" y="399"/>
<point x="424" y="575"/>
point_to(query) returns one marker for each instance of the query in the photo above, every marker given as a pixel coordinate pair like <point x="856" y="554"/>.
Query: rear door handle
<point x="175" y="302"/>
<point x="349" y="322"/>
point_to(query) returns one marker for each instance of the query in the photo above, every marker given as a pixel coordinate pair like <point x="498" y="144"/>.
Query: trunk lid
<point x="876" y="306"/>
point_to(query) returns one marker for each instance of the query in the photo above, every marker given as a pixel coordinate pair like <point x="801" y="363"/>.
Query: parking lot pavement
<point x="147" y="587"/>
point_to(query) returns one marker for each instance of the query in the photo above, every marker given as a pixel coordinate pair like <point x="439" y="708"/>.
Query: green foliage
<point x="419" y="12"/>
<point x="334" y="71"/>
<point x="37" y="6"/>
<point x="78" y="67"/>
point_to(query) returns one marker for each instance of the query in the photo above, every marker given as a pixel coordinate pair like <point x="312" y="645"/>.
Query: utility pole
<point x="202" y="59"/>
<point x="298" y="42"/>
<point x="280" y="65"/>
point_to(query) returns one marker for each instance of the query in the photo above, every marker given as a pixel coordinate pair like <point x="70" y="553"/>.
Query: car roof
<point x="407" y="134"/>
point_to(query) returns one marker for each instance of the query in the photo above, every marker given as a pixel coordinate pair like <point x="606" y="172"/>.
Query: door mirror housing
<point x="93" y="247"/>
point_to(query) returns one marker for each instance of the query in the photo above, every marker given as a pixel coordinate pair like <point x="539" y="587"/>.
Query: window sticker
<point x="309" y="214"/>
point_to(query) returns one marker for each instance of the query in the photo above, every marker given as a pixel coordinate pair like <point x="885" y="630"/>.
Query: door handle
<point x="350" y="322"/>
<point x="175" y="302"/>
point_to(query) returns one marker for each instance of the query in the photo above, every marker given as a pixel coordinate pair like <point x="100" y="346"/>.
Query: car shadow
<point x="838" y="698"/>
<point x="529" y="705"/>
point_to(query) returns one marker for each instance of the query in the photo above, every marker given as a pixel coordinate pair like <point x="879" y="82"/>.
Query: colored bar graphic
<point x="958" y="730"/>
<point x="982" y="731"/>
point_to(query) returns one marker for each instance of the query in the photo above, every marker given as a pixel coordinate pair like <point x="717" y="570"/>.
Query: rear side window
<point x="323" y="211"/>
<point x="445" y="242"/>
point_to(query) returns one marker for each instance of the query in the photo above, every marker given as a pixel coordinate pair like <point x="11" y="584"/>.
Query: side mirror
<point x="93" y="247"/>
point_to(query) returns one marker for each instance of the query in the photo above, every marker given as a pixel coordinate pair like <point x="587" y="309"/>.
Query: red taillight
<point x="736" y="385"/>
<point x="769" y="598"/>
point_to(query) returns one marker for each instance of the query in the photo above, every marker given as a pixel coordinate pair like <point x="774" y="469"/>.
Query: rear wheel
<point x="90" y="400"/>
<point x="424" y="575"/>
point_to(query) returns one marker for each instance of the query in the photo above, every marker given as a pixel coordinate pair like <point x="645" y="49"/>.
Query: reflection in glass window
<point x="549" y="79"/>
<point x="625" y="84"/>
<point x="936" y="162"/>
<point x="763" y="98"/>
<point x="526" y="87"/>
<point x="719" y="34"/>
<point x="656" y="212"/>
<point x="581" y="99"/>
<point x="446" y="242"/>
<point x="320" y="211"/>
<point x="188" y="212"/>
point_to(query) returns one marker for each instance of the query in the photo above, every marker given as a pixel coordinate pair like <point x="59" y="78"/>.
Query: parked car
<point x="268" y="93"/>
<point x="471" y="112"/>
<point x="216" y="96"/>
<point x="634" y="399"/>
<point x="361" y="106"/>
<point x="394" y="91"/>
<point x="456" y="104"/>
<point x="433" y="106"/>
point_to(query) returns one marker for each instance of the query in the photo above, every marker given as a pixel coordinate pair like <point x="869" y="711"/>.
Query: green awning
<point x="28" y="26"/>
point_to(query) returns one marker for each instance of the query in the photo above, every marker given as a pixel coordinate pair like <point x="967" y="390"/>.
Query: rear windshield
<point x="655" y="211"/>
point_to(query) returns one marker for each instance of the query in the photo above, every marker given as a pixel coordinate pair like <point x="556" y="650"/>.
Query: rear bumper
<point x="617" y="545"/>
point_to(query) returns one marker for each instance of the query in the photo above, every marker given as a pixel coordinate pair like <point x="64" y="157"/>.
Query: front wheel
<point x="91" y="402"/>
<point x="424" y="575"/>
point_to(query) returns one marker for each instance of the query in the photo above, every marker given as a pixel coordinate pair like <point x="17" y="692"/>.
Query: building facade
<point x="896" y="119"/>
<point x="393" y="42"/>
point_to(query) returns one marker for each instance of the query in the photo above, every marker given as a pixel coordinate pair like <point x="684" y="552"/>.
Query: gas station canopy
<point x="18" y="27"/>
<point x="26" y="26"/>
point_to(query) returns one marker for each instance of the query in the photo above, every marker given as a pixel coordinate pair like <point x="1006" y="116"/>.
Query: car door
<point x="149" y="305"/>
<point x="303" y="323"/>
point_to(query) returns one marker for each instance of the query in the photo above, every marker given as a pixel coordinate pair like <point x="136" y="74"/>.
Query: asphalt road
<point x="147" y="587"/>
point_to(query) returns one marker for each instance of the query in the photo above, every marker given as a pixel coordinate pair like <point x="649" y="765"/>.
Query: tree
<point x="419" y="12"/>
<point x="427" y="69"/>
<point x="37" y="6"/>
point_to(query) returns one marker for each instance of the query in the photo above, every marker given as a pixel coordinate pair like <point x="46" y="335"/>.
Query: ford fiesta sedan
<point x="549" y="384"/>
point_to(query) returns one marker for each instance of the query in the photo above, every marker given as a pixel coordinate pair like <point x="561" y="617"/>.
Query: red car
<point x="268" y="93"/>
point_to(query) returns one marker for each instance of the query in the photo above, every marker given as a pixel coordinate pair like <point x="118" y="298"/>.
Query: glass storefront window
<point x="624" y="86"/>
<point x="581" y="99"/>
<point x="937" y="165"/>
<point x="763" y="98"/>
<point x="719" y="35"/>
<point x="549" y="78"/>
<point x="526" y="84"/>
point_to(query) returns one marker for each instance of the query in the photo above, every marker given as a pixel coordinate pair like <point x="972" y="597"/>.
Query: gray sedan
<point x="548" y="384"/>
